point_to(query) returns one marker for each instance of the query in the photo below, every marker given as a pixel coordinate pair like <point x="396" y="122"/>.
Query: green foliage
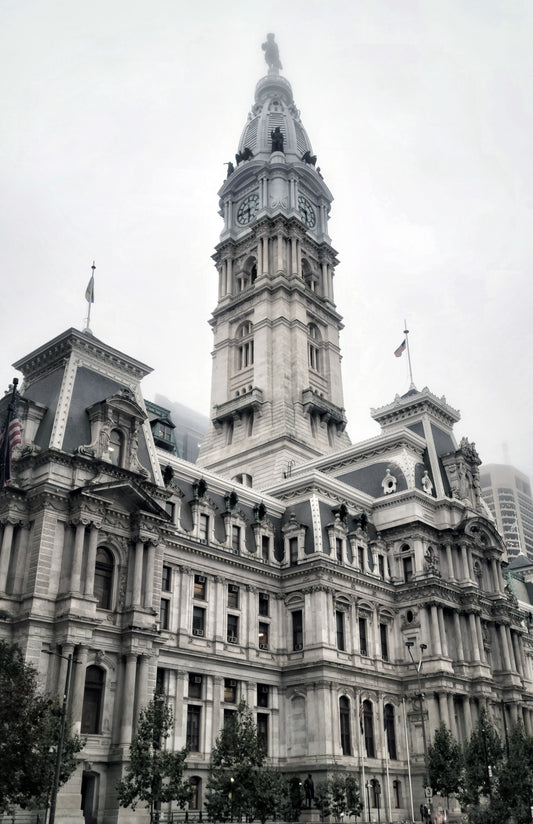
<point x="291" y="798"/>
<point x="155" y="775"/>
<point x="445" y="762"/>
<point x="514" y="777"/>
<point x="239" y="784"/>
<point x="483" y="750"/>
<point x="29" y="734"/>
<point x="338" y="796"/>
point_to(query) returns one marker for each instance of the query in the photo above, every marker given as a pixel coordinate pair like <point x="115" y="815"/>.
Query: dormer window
<point x="116" y="447"/>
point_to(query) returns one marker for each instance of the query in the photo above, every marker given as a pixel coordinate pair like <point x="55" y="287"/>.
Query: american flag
<point x="10" y="438"/>
<point x="401" y="348"/>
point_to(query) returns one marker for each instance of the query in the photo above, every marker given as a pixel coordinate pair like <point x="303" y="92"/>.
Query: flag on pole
<point x="401" y="349"/>
<point x="89" y="292"/>
<point x="9" y="438"/>
<point x="361" y="710"/>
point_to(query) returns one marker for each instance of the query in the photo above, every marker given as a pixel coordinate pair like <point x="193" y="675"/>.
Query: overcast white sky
<point x="117" y="117"/>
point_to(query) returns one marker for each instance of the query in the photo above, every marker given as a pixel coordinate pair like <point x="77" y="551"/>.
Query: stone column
<point x="5" y="556"/>
<point x="468" y="716"/>
<point x="458" y="636"/>
<point x="466" y="566"/>
<point x="91" y="561"/>
<point x="435" y="631"/>
<point x="79" y="669"/>
<point x="442" y="632"/>
<point x="325" y="280"/>
<point x="149" y="583"/>
<point x="443" y="709"/>
<point x="142" y="683"/>
<point x="449" y="561"/>
<point x="259" y="254"/>
<point x="127" y="699"/>
<point x="66" y="650"/>
<point x="512" y="657"/>
<point x="77" y="558"/>
<point x="265" y="255"/>
<point x="517" y="646"/>
<point x="481" y="646"/>
<point x="473" y="636"/>
<point x="425" y="630"/>
<point x="451" y="714"/>
<point x="138" y="573"/>
<point x="505" y="647"/>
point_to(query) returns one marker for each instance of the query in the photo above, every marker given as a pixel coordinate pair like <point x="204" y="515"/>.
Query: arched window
<point x="245" y="348"/>
<point x="91" y="716"/>
<point x="116" y="447"/>
<point x="103" y="578"/>
<point x="368" y="727"/>
<point x="397" y="793"/>
<point x="344" y="712"/>
<point x="313" y="347"/>
<point x="195" y="797"/>
<point x="376" y="792"/>
<point x="390" y="732"/>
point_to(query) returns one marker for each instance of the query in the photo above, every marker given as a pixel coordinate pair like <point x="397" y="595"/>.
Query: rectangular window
<point x="264" y="604"/>
<point x="262" y="731"/>
<point x="199" y="587"/>
<point x="263" y="693"/>
<point x="170" y="509"/>
<point x="230" y="691"/>
<point x="166" y="579"/>
<point x="195" y="685"/>
<point x="198" y="620"/>
<point x="265" y="548"/>
<point x="339" y="620"/>
<point x="229" y="715"/>
<point x="233" y="596"/>
<point x="263" y="635"/>
<point x="361" y="558"/>
<point x="194" y="715"/>
<point x="293" y="551"/>
<point x="164" y="613"/>
<point x="204" y="527"/>
<point x="297" y="630"/>
<point x="362" y="637"/>
<point x="407" y="569"/>
<point x="161" y="680"/>
<point x="236" y="538"/>
<point x="233" y="628"/>
<point x="384" y="642"/>
<point x="338" y="548"/>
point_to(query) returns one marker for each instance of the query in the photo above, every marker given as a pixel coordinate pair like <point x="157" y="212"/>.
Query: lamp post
<point x="59" y="754"/>
<point x="418" y="667"/>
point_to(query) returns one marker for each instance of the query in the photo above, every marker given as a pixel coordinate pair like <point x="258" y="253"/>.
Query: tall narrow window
<point x="233" y="628"/>
<point x="293" y="551"/>
<point x="166" y="579"/>
<point x="381" y="566"/>
<point x="245" y="348"/>
<point x="198" y="621"/>
<point x="363" y="647"/>
<point x="116" y="447"/>
<point x="407" y="569"/>
<point x="263" y="694"/>
<point x="230" y="691"/>
<point x="263" y="635"/>
<point x="339" y="620"/>
<point x="233" y="596"/>
<point x="338" y="549"/>
<point x="361" y="558"/>
<point x="368" y="727"/>
<point x="195" y="685"/>
<point x="195" y="787"/>
<point x="265" y="548"/>
<point x="397" y="793"/>
<point x="194" y="715"/>
<point x="236" y="538"/>
<point x="199" y="587"/>
<point x="313" y="347"/>
<point x="264" y="604"/>
<point x="344" y="711"/>
<point x="164" y="613"/>
<point x="384" y="642"/>
<point x="204" y="527"/>
<point x="297" y="629"/>
<point x="262" y="731"/>
<point x="92" y="701"/>
<point x="103" y="578"/>
<point x="390" y="732"/>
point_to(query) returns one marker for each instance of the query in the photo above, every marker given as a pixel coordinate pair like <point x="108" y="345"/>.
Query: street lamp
<point x="418" y="667"/>
<point x="59" y="754"/>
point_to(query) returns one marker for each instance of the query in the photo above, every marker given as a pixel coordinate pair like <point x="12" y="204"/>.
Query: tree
<point x="445" y="762"/>
<point x="482" y="754"/>
<point x="29" y="733"/>
<point x="239" y="784"/>
<point x="514" y="777"/>
<point x="155" y="774"/>
<point x="338" y="796"/>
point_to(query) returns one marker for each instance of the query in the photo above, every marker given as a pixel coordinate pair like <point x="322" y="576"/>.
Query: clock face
<point x="307" y="213"/>
<point x="248" y="209"/>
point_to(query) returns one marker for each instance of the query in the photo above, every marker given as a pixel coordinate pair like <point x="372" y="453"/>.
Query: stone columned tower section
<point x="277" y="396"/>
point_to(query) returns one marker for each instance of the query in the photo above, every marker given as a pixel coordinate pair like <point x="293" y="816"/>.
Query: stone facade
<point x="290" y="568"/>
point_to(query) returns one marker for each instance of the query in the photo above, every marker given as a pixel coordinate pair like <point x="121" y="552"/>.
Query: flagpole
<point x="89" y="297"/>
<point x="387" y="756"/>
<point x="406" y="333"/>
<point x="408" y="761"/>
<point x="362" y="750"/>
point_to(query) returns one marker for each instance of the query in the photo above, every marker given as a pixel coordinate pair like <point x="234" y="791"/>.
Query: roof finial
<point x="270" y="48"/>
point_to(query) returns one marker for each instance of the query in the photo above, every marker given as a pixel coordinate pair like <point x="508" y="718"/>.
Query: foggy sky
<point x="117" y="118"/>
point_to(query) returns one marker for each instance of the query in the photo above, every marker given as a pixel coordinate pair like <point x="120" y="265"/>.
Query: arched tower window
<point x="368" y="728"/>
<point x="245" y="347"/>
<point x="390" y="732"/>
<point x="313" y="347"/>
<point x="116" y="447"/>
<point x="91" y="716"/>
<point x="344" y="713"/>
<point x="103" y="578"/>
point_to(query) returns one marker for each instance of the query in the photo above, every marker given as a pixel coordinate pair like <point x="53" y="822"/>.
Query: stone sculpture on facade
<point x="270" y="48"/>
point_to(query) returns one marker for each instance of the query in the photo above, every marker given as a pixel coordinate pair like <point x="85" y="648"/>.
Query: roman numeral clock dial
<point x="307" y="213"/>
<point x="248" y="209"/>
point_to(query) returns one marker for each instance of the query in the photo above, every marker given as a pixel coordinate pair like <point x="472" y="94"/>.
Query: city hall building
<point x="287" y="566"/>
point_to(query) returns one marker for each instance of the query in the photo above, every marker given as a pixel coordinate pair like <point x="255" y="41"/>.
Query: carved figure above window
<point x="389" y="483"/>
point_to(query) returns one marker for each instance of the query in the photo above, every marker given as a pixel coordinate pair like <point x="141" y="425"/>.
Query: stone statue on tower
<point x="270" y="48"/>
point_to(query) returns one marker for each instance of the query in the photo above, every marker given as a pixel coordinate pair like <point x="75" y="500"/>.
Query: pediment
<point x="122" y="402"/>
<point x="127" y="495"/>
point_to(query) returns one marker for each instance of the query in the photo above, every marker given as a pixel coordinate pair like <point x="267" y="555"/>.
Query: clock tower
<point x="276" y="398"/>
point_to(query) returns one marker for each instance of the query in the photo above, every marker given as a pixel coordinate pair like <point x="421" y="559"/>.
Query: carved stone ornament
<point x="427" y="484"/>
<point x="389" y="483"/>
